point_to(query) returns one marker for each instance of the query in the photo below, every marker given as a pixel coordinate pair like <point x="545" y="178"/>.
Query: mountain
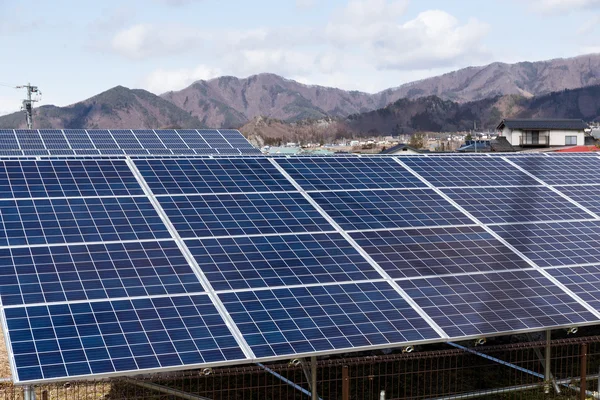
<point x="435" y="114"/>
<point x="497" y="79"/>
<point x="118" y="107"/>
<point x="231" y="102"/>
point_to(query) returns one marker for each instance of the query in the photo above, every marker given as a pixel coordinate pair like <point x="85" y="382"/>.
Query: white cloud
<point x="554" y="6"/>
<point x="162" y="80"/>
<point x="146" y="41"/>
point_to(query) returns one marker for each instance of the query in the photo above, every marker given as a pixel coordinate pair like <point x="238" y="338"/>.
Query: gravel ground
<point x="4" y="368"/>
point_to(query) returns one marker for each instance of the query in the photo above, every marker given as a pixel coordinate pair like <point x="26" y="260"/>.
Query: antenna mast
<point x="28" y="103"/>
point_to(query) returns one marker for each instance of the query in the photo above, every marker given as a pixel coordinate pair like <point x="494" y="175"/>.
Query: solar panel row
<point x="92" y="281"/>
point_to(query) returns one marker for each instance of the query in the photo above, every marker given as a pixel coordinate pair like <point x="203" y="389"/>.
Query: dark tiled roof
<point x="501" y="144"/>
<point x="543" y="124"/>
<point x="400" y="147"/>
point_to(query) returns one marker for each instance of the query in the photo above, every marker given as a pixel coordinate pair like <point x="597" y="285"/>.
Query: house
<point x="403" y="148"/>
<point x="543" y="132"/>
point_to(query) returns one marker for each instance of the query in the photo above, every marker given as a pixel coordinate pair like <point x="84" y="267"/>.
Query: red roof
<point x="578" y="149"/>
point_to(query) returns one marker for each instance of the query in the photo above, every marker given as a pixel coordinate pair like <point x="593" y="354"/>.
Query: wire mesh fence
<point x="504" y="371"/>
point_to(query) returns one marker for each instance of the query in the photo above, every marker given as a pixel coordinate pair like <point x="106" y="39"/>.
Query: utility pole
<point x="28" y="103"/>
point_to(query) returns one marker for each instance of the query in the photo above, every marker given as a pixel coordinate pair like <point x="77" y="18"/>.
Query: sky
<point x="73" y="50"/>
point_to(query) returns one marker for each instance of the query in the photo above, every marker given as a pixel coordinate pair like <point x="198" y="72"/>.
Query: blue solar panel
<point x="148" y="139"/>
<point x="192" y="139"/>
<point x="125" y="139"/>
<point x="102" y="139"/>
<point x="93" y="271"/>
<point x="348" y="173"/>
<point x="64" y="178"/>
<point x="171" y="138"/>
<point x="214" y="138"/>
<point x="587" y="196"/>
<point x="251" y="262"/>
<point x="515" y="204"/>
<point x="78" y="139"/>
<point x="468" y="171"/>
<point x="191" y="176"/>
<point x="49" y="221"/>
<point x="437" y="251"/>
<point x="8" y="139"/>
<point x="562" y="170"/>
<point x="54" y="139"/>
<point x="555" y="244"/>
<point x="242" y="214"/>
<point x="494" y="303"/>
<point x="70" y="340"/>
<point x="235" y="138"/>
<point x="377" y="209"/>
<point x="29" y="139"/>
<point x="584" y="281"/>
<point x="313" y="319"/>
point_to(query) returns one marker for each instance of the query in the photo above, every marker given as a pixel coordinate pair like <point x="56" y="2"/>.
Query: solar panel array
<point x="141" y="264"/>
<point x="86" y="142"/>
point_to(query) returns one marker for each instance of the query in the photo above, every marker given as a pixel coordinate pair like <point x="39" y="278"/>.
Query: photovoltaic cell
<point x="171" y="139"/>
<point x="584" y="281"/>
<point x="8" y="141"/>
<point x="78" y="139"/>
<point x="54" y="139"/>
<point x="242" y="214"/>
<point x="29" y="139"/>
<point x="193" y="139"/>
<point x="65" y="178"/>
<point x="102" y="139"/>
<point x="191" y="176"/>
<point x="562" y="170"/>
<point x="555" y="244"/>
<point x="381" y="209"/>
<point x="468" y="171"/>
<point x="51" y="221"/>
<point x="348" y="173"/>
<point x="437" y="251"/>
<point x="587" y="196"/>
<point x="314" y="319"/>
<point x="515" y="204"/>
<point x="252" y="262"/>
<point x="94" y="271"/>
<point x="493" y="303"/>
<point x="81" y="339"/>
<point x="148" y="139"/>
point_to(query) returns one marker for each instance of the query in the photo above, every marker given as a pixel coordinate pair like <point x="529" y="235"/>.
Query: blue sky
<point x="74" y="49"/>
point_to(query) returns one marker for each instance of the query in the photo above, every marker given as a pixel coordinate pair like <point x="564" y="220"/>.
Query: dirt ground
<point x="4" y="368"/>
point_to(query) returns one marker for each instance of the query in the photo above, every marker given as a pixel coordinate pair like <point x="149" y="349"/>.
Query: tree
<point x="468" y="137"/>
<point x="417" y="140"/>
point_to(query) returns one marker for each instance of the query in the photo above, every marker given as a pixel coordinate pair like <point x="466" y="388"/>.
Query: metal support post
<point x="28" y="392"/>
<point x="382" y="395"/>
<point x="583" y="371"/>
<point x="313" y="378"/>
<point x="346" y="383"/>
<point x="283" y="379"/>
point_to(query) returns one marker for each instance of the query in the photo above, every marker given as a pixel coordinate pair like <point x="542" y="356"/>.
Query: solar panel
<point x="252" y="262"/>
<point x="302" y="320"/>
<point x="494" y="303"/>
<point x="102" y="140"/>
<point x="54" y="139"/>
<point x="8" y="139"/>
<point x="242" y="214"/>
<point x="584" y="281"/>
<point x="348" y="173"/>
<point x="561" y="170"/>
<point x="171" y="138"/>
<point x="148" y="139"/>
<point x="515" y="204"/>
<point x="191" y="176"/>
<point x="214" y="138"/>
<point x="125" y="139"/>
<point x="468" y="171"/>
<point x="380" y="209"/>
<point x="78" y="139"/>
<point x="93" y="271"/>
<point x="437" y="251"/>
<point x="29" y="139"/>
<point x="555" y="244"/>
<point x="49" y="221"/>
<point x="587" y="196"/>
<point x="66" y="178"/>
<point x="236" y="139"/>
<point x="192" y="139"/>
<point x="78" y="339"/>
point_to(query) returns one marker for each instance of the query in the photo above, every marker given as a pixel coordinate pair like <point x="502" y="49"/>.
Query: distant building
<point x="543" y="132"/>
<point x="403" y="148"/>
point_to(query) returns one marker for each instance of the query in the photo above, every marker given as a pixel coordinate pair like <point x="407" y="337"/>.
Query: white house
<point x="543" y="132"/>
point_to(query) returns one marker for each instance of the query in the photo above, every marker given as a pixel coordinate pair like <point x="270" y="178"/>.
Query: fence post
<point x="345" y="383"/>
<point x="582" y="385"/>
<point x="313" y="378"/>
